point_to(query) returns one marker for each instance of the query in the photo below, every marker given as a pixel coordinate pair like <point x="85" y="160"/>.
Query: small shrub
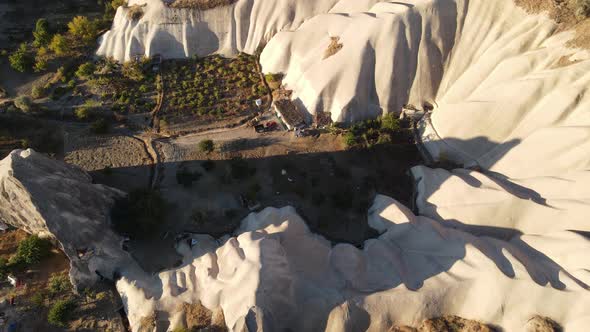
<point x="59" y="312"/>
<point x="58" y="283"/>
<point x="582" y="8"/>
<point x="38" y="92"/>
<point x="100" y="127"/>
<point x="350" y="139"/>
<point x="85" y="70"/>
<point x="135" y="12"/>
<point x="83" y="29"/>
<point x="21" y="60"/>
<point x="206" y="146"/>
<point x="390" y="122"/>
<point x="41" y="33"/>
<point x="38" y="299"/>
<point x="59" y="45"/>
<point x="83" y="113"/>
<point x="31" y="250"/>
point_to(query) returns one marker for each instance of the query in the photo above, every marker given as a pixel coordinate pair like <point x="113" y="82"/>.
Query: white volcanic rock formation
<point x="55" y="200"/>
<point x="275" y="274"/>
<point x="240" y="27"/>
<point x="500" y="242"/>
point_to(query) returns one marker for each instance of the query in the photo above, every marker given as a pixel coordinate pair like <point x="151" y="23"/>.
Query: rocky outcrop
<point x="275" y="274"/>
<point x="55" y="200"/>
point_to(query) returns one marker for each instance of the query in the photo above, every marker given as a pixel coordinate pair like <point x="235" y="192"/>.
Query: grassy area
<point x="211" y="88"/>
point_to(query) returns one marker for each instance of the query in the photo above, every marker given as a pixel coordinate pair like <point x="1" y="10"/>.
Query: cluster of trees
<point x="30" y="251"/>
<point x="124" y="86"/>
<point x="46" y="45"/>
<point x="371" y="132"/>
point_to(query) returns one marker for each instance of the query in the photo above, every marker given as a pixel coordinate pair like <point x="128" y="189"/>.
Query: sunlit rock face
<point x="52" y="199"/>
<point x="179" y="33"/>
<point x="275" y="273"/>
<point x="501" y="241"/>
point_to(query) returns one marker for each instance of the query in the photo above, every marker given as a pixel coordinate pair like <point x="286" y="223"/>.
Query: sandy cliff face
<point x="50" y="198"/>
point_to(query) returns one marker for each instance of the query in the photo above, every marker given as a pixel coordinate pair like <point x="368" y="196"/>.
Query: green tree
<point x="21" y="60"/>
<point x="41" y="59"/>
<point x="59" y="312"/>
<point x="133" y="71"/>
<point x="31" y="250"/>
<point x="58" y="283"/>
<point x="390" y="122"/>
<point x="85" y="70"/>
<point x="83" y="29"/>
<point x="59" y="45"/>
<point x="41" y="33"/>
<point x="350" y="139"/>
<point x="206" y="146"/>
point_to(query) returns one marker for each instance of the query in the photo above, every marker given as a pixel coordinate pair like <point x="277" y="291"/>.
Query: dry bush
<point x="542" y="324"/>
<point x="147" y="324"/>
<point x="582" y="8"/>
<point x="201" y="4"/>
<point x="135" y="12"/>
<point x="452" y="324"/>
<point x="198" y="317"/>
<point x="333" y="48"/>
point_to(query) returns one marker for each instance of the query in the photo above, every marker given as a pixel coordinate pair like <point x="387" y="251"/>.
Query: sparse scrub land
<point x="125" y="88"/>
<point x="211" y="88"/>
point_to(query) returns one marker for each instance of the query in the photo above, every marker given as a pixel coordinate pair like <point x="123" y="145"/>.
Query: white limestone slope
<point x="55" y="200"/>
<point x="227" y="30"/>
<point x="499" y="242"/>
<point x="276" y="272"/>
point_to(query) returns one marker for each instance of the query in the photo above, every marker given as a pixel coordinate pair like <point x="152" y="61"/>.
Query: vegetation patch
<point x="211" y="88"/>
<point x="60" y="312"/>
<point x="372" y="132"/>
<point x="334" y="47"/>
<point x="201" y="4"/>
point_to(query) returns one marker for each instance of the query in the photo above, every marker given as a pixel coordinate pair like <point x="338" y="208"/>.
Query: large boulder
<point x="53" y="199"/>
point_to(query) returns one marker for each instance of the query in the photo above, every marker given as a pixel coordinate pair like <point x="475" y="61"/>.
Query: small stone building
<point x="290" y="114"/>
